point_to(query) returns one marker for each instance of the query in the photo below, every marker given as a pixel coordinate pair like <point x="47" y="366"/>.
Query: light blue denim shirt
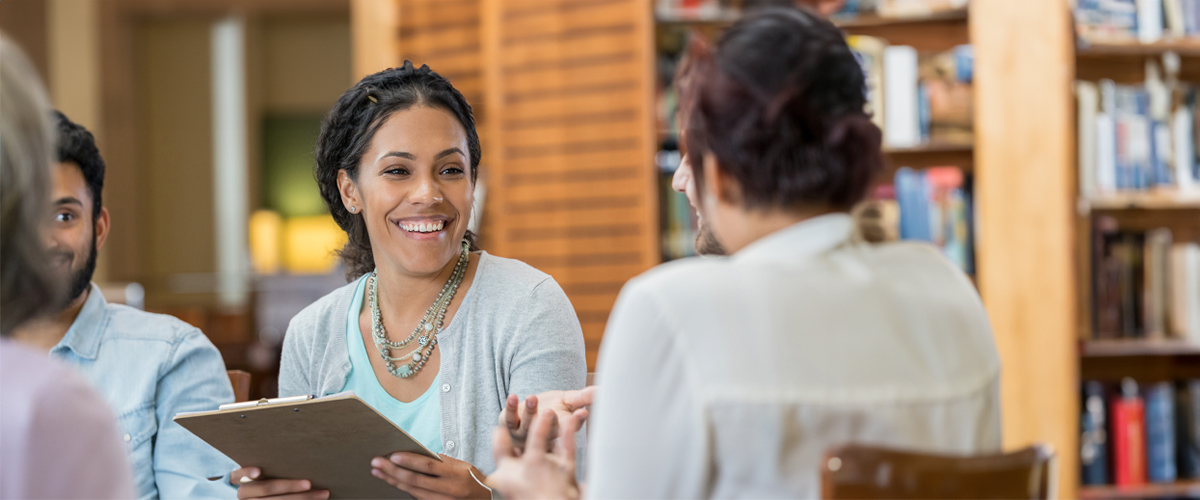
<point x="150" y="367"/>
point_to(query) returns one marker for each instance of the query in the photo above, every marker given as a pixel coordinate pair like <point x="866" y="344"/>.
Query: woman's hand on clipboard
<point x="427" y="479"/>
<point x="249" y="486"/>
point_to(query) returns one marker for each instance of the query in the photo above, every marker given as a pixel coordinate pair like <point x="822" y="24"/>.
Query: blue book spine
<point x="964" y="63"/>
<point x="1145" y="166"/>
<point x="1093" y="439"/>
<point x="924" y="113"/>
<point x="1160" y="433"/>
<point x="912" y="195"/>
<point x="1187" y="429"/>
<point x="1161" y="154"/>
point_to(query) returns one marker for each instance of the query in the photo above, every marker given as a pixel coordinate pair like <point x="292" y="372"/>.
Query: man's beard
<point x="706" y="242"/>
<point x="81" y="279"/>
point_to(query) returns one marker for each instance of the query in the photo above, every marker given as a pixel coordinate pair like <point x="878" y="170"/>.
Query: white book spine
<point x="1184" y="148"/>
<point x="1184" y="302"/>
<point x="901" y="126"/>
<point x="1089" y="105"/>
<point x="1173" y="10"/>
<point x="1149" y="20"/>
<point x="1106" y="153"/>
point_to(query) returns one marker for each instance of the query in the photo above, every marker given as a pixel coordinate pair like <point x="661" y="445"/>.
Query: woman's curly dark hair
<point x="347" y="131"/>
<point x="780" y="104"/>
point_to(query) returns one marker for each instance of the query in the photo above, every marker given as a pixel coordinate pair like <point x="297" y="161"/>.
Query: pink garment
<point x="57" y="436"/>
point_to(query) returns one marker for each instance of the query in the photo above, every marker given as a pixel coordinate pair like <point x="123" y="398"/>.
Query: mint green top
<point x="422" y="418"/>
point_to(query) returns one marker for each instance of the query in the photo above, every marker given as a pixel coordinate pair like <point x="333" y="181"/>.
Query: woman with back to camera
<point x="431" y="332"/>
<point x="732" y="377"/>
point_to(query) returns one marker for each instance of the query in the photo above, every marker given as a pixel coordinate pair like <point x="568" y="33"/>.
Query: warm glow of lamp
<point x="266" y="230"/>
<point x="309" y="244"/>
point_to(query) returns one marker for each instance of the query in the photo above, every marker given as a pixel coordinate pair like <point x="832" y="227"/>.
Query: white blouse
<point x="731" y="377"/>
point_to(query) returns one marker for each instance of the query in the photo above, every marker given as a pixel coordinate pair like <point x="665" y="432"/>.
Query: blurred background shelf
<point x="1182" y="46"/>
<point x="931" y="155"/>
<point x="1144" y="200"/>
<point x="725" y="17"/>
<point x="865" y="21"/>
<point x="1182" y="489"/>
<point x="1137" y="347"/>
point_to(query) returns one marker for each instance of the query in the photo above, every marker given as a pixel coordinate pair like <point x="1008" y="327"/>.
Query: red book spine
<point x="1129" y="441"/>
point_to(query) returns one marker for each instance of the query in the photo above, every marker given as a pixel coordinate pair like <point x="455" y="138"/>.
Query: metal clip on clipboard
<point x="263" y="402"/>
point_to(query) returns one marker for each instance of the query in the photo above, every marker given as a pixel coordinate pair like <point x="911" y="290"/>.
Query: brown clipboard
<point x="329" y="441"/>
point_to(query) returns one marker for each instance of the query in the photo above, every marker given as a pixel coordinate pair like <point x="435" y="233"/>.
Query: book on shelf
<point x="1183" y="303"/>
<point x="933" y="205"/>
<point x="1144" y="285"/>
<point x="917" y="98"/>
<point x="1160" y="432"/>
<point x="693" y="9"/>
<point x="898" y="8"/>
<point x="1187" y="429"/>
<point x="1144" y="21"/>
<point x="1132" y="434"/>
<point x="1137" y="138"/>
<point x="1156" y="291"/>
<point x="1093" y="435"/>
<point x="1128" y="436"/>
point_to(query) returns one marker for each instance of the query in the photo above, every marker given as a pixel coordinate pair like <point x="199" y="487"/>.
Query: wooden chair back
<point x="861" y="472"/>
<point x="241" y="385"/>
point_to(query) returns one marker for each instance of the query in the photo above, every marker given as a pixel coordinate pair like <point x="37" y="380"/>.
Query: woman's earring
<point x="353" y="210"/>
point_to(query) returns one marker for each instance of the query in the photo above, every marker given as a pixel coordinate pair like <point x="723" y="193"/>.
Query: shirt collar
<point x="83" y="338"/>
<point x="802" y="239"/>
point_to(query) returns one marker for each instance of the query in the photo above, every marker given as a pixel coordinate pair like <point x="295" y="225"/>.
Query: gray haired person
<point x="57" y="437"/>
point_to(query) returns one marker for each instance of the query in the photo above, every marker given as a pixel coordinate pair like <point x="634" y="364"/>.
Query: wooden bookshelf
<point x="931" y="148"/>
<point x="1110" y="360"/>
<point x="728" y="16"/>
<point x="1181" y="489"/>
<point x="865" y="21"/>
<point x="1137" y="347"/>
<point x="1189" y="47"/>
<point x="721" y="18"/>
<point x="931" y="155"/>
<point x="1144" y="201"/>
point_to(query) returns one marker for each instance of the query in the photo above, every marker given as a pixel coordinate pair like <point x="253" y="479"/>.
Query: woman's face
<point x="414" y="190"/>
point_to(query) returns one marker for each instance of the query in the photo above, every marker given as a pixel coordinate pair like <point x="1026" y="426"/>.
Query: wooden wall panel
<point x="445" y="34"/>
<point x="570" y="95"/>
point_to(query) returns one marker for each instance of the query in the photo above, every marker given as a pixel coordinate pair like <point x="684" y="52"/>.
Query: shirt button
<point x="445" y="387"/>
<point x="449" y="445"/>
<point x="127" y="437"/>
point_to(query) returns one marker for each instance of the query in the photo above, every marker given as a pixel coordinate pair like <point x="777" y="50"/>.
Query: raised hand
<point x="567" y="405"/>
<point x="539" y="472"/>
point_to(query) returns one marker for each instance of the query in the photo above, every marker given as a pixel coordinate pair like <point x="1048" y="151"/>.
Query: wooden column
<point x="569" y="92"/>
<point x="373" y="25"/>
<point x="1024" y="152"/>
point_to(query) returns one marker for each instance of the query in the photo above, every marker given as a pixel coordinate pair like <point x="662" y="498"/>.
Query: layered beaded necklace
<point x="426" y="332"/>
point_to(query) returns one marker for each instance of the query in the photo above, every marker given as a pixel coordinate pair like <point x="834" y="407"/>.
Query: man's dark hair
<point x="347" y="131"/>
<point x="76" y="145"/>
<point x="779" y="103"/>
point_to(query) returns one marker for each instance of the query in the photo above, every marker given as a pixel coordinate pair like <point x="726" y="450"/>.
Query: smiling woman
<point x="431" y="331"/>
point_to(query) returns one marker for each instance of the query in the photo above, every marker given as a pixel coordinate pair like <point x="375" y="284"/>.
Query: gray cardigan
<point x="515" y="333"/>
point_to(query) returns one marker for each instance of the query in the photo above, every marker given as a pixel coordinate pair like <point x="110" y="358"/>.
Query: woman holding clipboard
<point x="431" y="332"/>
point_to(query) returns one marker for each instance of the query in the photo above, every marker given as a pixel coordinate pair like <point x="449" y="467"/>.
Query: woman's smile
<point x="424" y="228"/>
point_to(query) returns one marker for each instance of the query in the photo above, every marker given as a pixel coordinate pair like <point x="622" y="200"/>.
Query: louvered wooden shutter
<point x="445" y="34"/>
<point x="572" y="182"/>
